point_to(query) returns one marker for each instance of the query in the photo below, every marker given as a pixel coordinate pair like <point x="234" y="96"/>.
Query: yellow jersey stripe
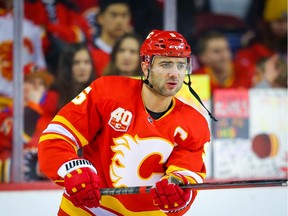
<point x="107" y="202"/>
<point x="70" y="209"/>
<point x="114" y="204"/>
<point x="63" y="120"/>
<point x="170" y="110"/>
<point x="192" y="177"/>
<point x="56" y="136"/>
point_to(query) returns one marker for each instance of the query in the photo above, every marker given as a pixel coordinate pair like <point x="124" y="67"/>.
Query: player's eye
<point x="181" y="66"/>
<point x="167" y="65"/>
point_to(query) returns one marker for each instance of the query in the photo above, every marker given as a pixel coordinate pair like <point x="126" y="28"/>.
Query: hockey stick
<point x="202" y="186"/>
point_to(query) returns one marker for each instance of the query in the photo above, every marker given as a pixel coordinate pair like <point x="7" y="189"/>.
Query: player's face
<point x="167" y="74"/>
<point x="82" y="66"/>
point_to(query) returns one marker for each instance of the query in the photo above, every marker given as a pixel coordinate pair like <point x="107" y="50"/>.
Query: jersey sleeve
<point x="188" y="156"/>
<point x="73" y="127"/>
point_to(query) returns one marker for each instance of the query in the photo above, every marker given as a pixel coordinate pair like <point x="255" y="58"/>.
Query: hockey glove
<point x="82" y="184"/>
<point x="168" y="196"/>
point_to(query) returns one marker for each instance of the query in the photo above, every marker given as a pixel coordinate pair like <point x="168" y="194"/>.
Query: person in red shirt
<point x="61" y="24"/>
<point x="133" y="133"/>
<point x="270" y="37"/>
<point x="36" y="83"/>
<point x="217" y="62"/>
<point x="114" y="18"/>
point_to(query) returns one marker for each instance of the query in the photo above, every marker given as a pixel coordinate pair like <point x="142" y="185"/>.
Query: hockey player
<point x="133" y="133"/>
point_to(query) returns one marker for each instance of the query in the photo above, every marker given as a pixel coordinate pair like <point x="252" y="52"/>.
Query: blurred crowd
<point x="69" y="43"/>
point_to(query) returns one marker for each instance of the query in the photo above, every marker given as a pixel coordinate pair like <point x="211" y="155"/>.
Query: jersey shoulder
<point x="113" y="87"/>
<point x="190" y="112"/>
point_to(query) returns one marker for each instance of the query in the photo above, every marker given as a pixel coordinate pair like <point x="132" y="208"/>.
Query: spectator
<point x="62" y="24"/>
<point x="270" y="36"/>
<point x="32" y="46"/>
<point x="114" y="19"/>
<point x="36" y="84"/>
<point x="217" y="61"/>
<point x="275" y="16"/>
<point x="271" y="73"/>
<point x="75" y="72"/>
<point x="125" y="59"/>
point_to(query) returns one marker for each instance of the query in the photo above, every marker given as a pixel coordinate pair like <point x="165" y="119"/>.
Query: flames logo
<point x="138" y="161"/>
<point x="6" y="56"/>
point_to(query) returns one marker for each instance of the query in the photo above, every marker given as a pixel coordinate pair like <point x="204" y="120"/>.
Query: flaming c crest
<point x="138" y="161"/>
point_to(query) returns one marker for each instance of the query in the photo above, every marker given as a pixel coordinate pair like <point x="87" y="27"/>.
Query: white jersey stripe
<point x="101" y="211"/>
<point x="55" y="128"/>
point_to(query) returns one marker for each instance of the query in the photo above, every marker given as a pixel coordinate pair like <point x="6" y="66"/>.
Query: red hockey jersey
<point x="126" y="146"/>
<point x="58" y="20"/>
<point x="100" y="60"/>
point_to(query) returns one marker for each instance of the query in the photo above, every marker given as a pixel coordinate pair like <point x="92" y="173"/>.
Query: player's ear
<point x="145" y="67"/>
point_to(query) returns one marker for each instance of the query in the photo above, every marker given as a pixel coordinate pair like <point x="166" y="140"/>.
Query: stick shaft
<point x="203" y="186"/>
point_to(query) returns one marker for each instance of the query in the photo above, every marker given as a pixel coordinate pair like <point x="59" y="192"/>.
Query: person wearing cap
<point x="133" y="132"/>
<point x="36" y="83"/>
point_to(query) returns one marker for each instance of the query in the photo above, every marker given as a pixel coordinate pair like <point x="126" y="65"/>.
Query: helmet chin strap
<point x="197" y="97"/>
<point x="146" y="81"/>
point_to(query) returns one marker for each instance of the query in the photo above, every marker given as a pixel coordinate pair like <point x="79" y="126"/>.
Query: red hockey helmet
<point x="164" y="43"/>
